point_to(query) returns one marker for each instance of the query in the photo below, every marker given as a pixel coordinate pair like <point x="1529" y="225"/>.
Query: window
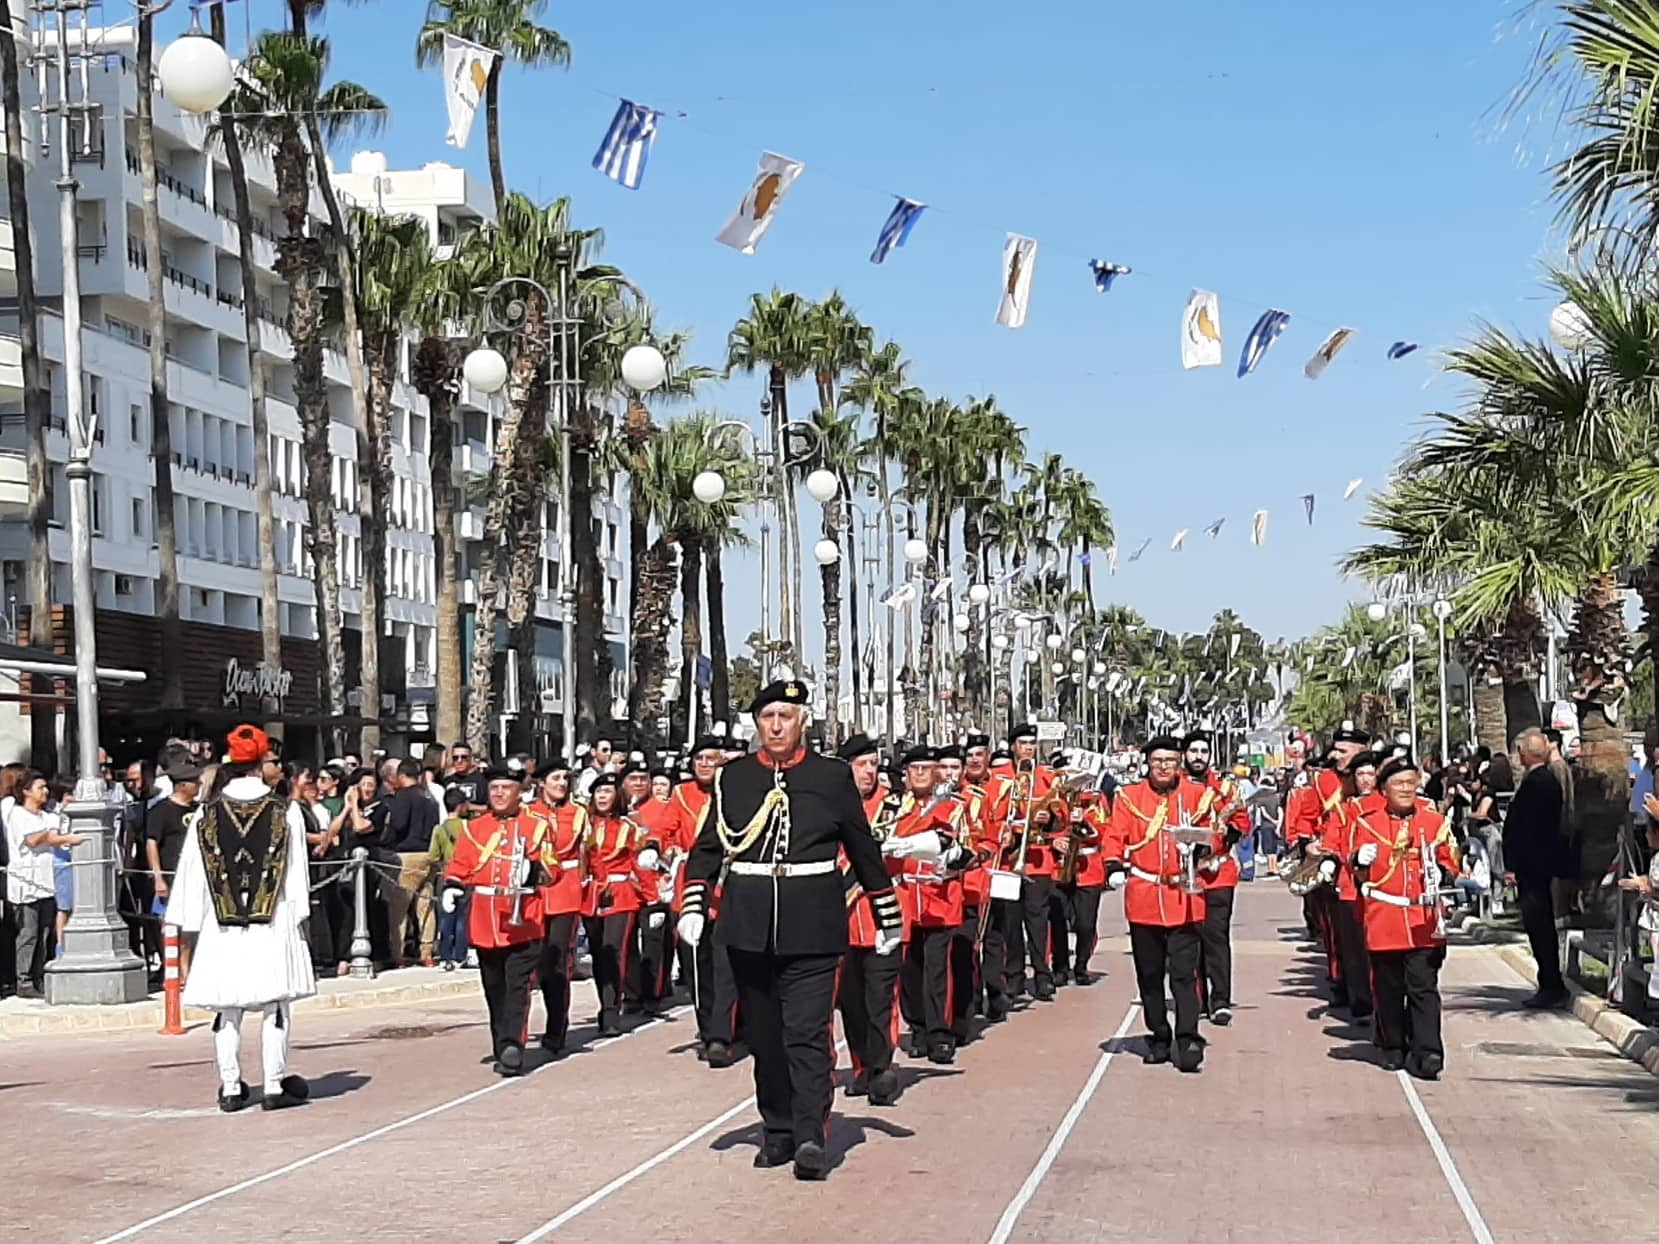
<point x="100" y="491"/>
<point x="135" y="426"/>
<point x="140" y="529"/>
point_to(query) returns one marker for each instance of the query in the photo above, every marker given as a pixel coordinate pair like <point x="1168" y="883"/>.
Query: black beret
<point x="711" y="743"/>
<point x="918" y="755"/>
<point x="1161" y="743"/>
<point x="786" y="692"/>
<point x="1195" y="736"/>
<point x="1399" y="763"/>
<point x="976" y="740"/>
<point x="1365" y="760"/>
<point x="1347" y="733"/>
<point x="1002" y="753"/>
<point x="553" y="764"/>
<point x="858" y="745"/>
<point x="951" y="752"/>
<point x="635" y="766"/>
<point x="501" y="773"/>
<point x="1025" y="730"/>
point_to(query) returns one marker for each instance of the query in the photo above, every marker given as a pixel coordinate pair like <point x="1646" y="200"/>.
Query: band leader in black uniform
<point x="780" y="819"/>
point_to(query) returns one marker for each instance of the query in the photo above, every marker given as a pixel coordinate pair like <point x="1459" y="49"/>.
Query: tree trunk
<point x="524" y="560"/>
<point x="853" y="580"/>
<point x="593" y="674"/>
<point x="437" y="370"/>
<point x="37" y="400"/>
<point x="691" y="628"/>
<point x="780" y="489"/>
<point x="492" y="134"/>
<point x="1598" y="648"/>
<point x="720" y="688"/>
<point x="923" y="719"/>
<point x="653" y="618"/>
<point x="830" y="577"/>
<point x="161" y="432"/>
<point x="270" y="609"/>
<point x="974" y="681"/>
<point x="376" y="476"/>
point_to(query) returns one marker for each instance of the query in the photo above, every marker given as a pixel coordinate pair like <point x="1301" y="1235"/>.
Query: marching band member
<point x="615" y="854"/>
<point x="926" y="851"/>
<point x="561" y="896"/>
<point x="496" y="857"/>
<point x="1405" y="856"/>
<point x="1220" y="877"/>
<point x="1090" y="814"/>
<point x="976" y="883"/>
<point x="866" y="992"/>
<point x="1037" y="894"/>
<point x="780" y="818"/>
<point x="1334" y="784"/>
<point x="999" y="928"/>
<point x="1337" y="842"/>
<point x="1165" y="910"/>
<point x="650" y="980"/>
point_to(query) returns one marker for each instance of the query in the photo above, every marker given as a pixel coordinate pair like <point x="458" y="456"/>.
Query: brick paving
<point x="1289" y="1133"/>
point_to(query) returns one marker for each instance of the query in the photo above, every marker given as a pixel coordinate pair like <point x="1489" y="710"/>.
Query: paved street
<point x="1050" y="1129"/>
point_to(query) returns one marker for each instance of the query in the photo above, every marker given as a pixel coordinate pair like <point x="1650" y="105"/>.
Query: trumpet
<point x="515" y="866"/>
<point x="1431" y="888"/>
<point x="1188" y="838"/>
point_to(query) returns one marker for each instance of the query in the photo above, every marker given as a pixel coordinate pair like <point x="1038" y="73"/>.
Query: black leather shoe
<point x="1084" y="978"/>
<point x="860" y="1087"/>
<point x="1189" y="1058"/>
<point x="609" y="1025"/>
<point x="996" y="1014"/>
<point x="718" y="1054"/>
<point x="1061" y="979"/>
<point x="1044" y="993"/>
<point x="1547" y="1000"/>
<point x="510" y="1062"/>
<point x="1424" y="1066"/>
<point x="884" y="1087"/>
<point x="942" y="1052"/>
<point x="915" y="1045"/>
<point x="771" y="1155"/>
<point x="1155" y="1054"/>
<point x="1392" y="1060"/>
<point x="1221" y="1016"/>
<point x="240" y="1100"/>
<point x="294" y="1091"/>
<point x="811" y="1162"/>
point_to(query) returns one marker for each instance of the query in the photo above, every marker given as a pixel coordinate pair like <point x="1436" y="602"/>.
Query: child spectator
<point x="452" y="925"/>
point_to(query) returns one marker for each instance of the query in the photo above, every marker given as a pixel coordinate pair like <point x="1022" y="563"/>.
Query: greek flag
<point x="1136" y="555"/>
<point x="1307" y="504"/>
<point x="1214" y="529"/>
<point x="896" y="232"/>
<point x="1105" y="273"/>
<point x="1400" y="349"/>
<point x="1264" y="334"/>
<point x="627" y="145"/>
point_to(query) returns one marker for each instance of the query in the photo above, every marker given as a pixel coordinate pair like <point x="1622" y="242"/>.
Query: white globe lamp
<point x="485" y="369"/>
<point x="195" y="72"/>
<point x="1376" y="611"/>
<point x="1570" y="327"/>
<point x="1098" y="669"/>
<point x="915" y="551"/>
<point x="822" y="486"/>
<point x="1442" y="609"/>
<point x="1059" y="667"/>
<point x="826" y="552"/>
<point x="960" y="623"/>
<point x="643" y="368"/>
<point x="979" y="593"/>
<point x="1055" y="642"/>
<point x="708" y="487"/>
<point x="1079" y="656"/>
<point x="999" y="642"/>
<point x="1418" y="631"/>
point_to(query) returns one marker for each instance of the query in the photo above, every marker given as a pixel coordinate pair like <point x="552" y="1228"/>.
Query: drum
<point x="1004" y="884"/>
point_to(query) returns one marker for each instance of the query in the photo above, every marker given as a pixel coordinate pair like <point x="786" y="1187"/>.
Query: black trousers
<point x="1083" y="909"/>
<point x="714" y="992"/>
<point x="1538" y="918"/>
<point x="554" y="971"/>
<point x="1215" y="955"/>
<point x="1323" y="902"/>
<point x="1038" y="909"/>
<point x="1350" y="946"/>
<point x="1407" y="988"/>
<point x="611" y="943"/>
<point x="1171" y="952"/>
<point x="654" y="971"/>
<point x="1002" y="972"/>
<point x="866" y="995"/>
<point x="1014" y="946"/>
<point x="507" y="973"/>
<point x="788" y="1002"/>
<point x="925" y="984"/>
<point x="964" y="973"/>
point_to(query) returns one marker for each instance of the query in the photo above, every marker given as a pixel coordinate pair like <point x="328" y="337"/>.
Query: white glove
<point x="1116" y="880"/>
<point x="926" y="847"/>
<point x="958" y="856"/>
<point x="1367" y="855"/>
<point x="690" y="928"/>
<point x="1327" y="870"/>
<point x="888" y="940"/>
<point x="450" y="900"/>
<point x="1212" y="865"/>
<point x="655" y="919"/>
<point x="649" y="859"/>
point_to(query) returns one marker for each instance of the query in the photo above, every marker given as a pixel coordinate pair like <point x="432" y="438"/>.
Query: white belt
<point x="1393" y="900"/>
<point x="922" y="878"/>
<point x="498" y="891"/>
<point x="1154" y="878"/>
<point x="1088" y="851"/>
<point x="815" y="869"/>
<point x="568" y="865"/>
<point x="618" y="878"/>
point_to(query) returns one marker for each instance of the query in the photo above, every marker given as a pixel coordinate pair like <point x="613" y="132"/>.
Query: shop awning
<point x="16" y="659"/>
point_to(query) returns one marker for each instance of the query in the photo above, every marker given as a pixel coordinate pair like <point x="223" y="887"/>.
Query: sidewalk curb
<point x="1635" y="1040"/>
<point x="42" y="1020"/>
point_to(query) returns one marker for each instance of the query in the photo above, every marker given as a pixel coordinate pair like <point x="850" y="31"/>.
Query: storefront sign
<point x="262" y="682"/>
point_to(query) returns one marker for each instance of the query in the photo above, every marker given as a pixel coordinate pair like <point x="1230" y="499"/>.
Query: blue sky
<point x="1347" y="164"/>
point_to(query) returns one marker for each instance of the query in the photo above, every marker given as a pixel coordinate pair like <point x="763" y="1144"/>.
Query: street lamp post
<point x="1442" y="611"/>
<point x="97" y="965"/>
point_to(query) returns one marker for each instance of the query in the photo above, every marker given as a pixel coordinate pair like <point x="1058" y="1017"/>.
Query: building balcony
<point x="472" y="458"/>
<point x="470" y="525"/>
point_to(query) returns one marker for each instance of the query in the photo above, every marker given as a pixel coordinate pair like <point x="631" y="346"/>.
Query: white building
<point x="207" y="378"/>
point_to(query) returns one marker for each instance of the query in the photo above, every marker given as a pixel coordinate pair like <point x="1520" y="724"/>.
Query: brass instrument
<point x="1431" y="888"/>
<point x="1306" y="877"/>
<point x="1025" y="774"/>
<point x="1069" y="854"/>
<point x="515" y="865"/>
<point x="1188" y="838"/>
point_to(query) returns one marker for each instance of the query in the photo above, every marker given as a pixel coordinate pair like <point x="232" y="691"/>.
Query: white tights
<point x="273" y="1047"/>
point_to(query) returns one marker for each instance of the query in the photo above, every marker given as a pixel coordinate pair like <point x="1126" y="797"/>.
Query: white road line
<point x="1448" y="1168"/>
<point x="646" y="1167"/>
<point x="376" y="1134"/>
<point x="1011" y="1215"/>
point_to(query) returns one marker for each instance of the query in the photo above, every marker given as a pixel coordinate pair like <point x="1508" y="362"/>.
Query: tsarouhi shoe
<point x="292" y="1091"/>
<point x="230" y="1103"/>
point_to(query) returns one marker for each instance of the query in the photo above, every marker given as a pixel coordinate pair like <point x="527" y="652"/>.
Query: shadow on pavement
<point x="337" y="1084"/>
<point x="1634" y="1098"/>
<point x="848" y="1132"/>
<point x="22" y="1084"/>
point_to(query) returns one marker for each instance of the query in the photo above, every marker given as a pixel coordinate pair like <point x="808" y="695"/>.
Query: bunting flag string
<point x="1400" y="349"/>
<point x="1145" y="544"/>
<point x="1353" y="487"/>
<point x="902" y="219"/>
<point x="1258" y="528"/>
<point x="627" y="144"/>
<point x="1180" y="539"/>
<point x="1262" y="336"/>
<point x="1307" y="504"/>
<point x="1327" y="351"/>
<point x="766" y="193"/>
<point x="1214" y="529"/>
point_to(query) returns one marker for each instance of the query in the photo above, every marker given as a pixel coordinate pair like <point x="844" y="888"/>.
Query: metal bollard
<point x="362" y="949"/>
<point x="172" y="1024"/>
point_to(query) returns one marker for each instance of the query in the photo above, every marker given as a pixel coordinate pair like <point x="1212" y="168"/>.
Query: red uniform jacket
<point x="1039" y="855"/>
<point x="561" y="857"/>
<point x="656" y="817"/>
<point x="1136" y="838"/>
<point x="929" y="897"/>
<point x="1229" y="813"/>
<point x="976" y="882"/>
<point x="483" y="862"/>
<point x="1393" y="887"/>
<point x="1092" y="819"/>
<point x="861" y="921"/>
<point x="677" y="832"/>
<point x="1336" y="836"/>
<point x="612" y="852"/>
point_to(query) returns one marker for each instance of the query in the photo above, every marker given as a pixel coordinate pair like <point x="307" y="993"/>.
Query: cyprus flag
<point x="754" y="215"/>
<point x="1019" y="257"/>
<point x="466" y="71"/>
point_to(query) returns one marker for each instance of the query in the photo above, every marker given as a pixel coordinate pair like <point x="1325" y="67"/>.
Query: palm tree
<point x="507" y="26"/>
<point x="279" y="99"/>
<point x="224" y="130"/>
<point x="777" y="335"/>
<point x="36" y="394"/>
<point x="840" y="449"/>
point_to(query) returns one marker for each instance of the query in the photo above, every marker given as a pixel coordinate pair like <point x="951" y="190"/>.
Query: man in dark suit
<point x="1532" y="850"/>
